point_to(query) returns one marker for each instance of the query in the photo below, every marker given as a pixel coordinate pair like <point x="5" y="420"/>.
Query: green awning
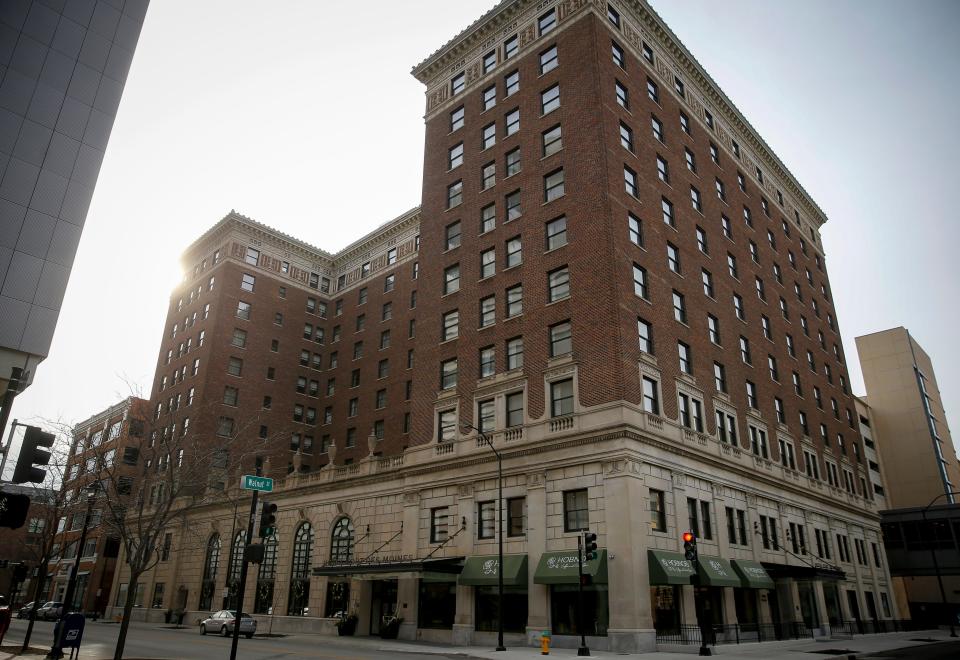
<point x="668" y="567"/>
<point x="432" y="576"/>
<point x="561" y="568"/>
<point x="753" y="574"/>
<point x="717" y="572"/>
<point x="482" y="571"/>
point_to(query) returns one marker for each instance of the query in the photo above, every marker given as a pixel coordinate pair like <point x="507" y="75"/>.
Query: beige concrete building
<point x="909" y="419"/>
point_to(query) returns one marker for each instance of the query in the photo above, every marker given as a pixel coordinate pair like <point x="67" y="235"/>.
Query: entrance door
<point x="383" y="603"/>
<point x="854" y="606"/>
<point x="871" y="605"/>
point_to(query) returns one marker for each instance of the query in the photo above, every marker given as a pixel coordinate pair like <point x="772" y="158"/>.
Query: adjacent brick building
<point x="615" y="281"/>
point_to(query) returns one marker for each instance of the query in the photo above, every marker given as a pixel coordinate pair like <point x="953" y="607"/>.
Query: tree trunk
<point x="127" y="609"/>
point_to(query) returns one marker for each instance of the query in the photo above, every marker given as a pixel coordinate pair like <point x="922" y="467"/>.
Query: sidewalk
<point x="860" y="646"/>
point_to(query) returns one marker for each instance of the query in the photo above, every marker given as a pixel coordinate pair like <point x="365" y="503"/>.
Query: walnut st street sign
<point x="252" y="482"/>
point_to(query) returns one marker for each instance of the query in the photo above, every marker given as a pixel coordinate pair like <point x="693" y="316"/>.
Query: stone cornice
<point x="104" y="415"/>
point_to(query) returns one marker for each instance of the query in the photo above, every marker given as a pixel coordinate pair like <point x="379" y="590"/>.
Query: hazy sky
<point x="304" y="116"/>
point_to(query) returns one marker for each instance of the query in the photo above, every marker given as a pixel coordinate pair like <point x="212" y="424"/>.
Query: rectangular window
<point x="486" y="519"/>
<point x="489" y="97"/>
<point x="561" y="339"/>
<point x="645" y="333"/>
<point x="684" y="123"/>
<point x="626" y="137"/>
<point x="576" y="515"/>
<point x="510" y="47"/>
<point x="679" y="307"/>
<point x="488" y="361"/>
<point x="488" y="263"/>
<point x="719" y="378"/>
<point x="695" y="199"/>
<point x="488" y="311"/>
<point x="451" y="279"/>
<point x="451" y="325"/>
<point x="486" y="415"/>
<point x="561" y="398"/>
<point x="516" y="514"/>
<point x="667" y="206"/>
<point x="623" y="96"/>
<point x="512" y="83"/>
<point x="448" y="374"/>
<point x="515" y="353"/>
<point x="630" y="182"/>
<point x="557" y="233"/>
<point x="455" y="156"/>
<point x="618" y="57"/>
<point x="247" y="282"/>
<point x="552" y="141"/>
<point x="657" y="126"/>
<point x="512" y="202"/>
<point x="514" y="402"/>
<point x="640" y="281"/>
<point x="458" y="83"/>
<point x="558" y="284"/>
<point x="651" y="400"/>
<point x="548" y="60"/>
<point x="686" y="365"/>
<point x="514" y="250"/>
<point x="713" y="329"/>
<point x="513" y="161"/>
<point x="553" y="185"/>
<point x="514" y="300"/>
<point x="658" y="511"/>
<point x="547" y="22"/>
<point x="653" y="91"/>
<point x="512" y="121"/>
<point x="673" y="258"/>
<point x="549" y="99"/>
<point x="488" y="135"/>
<point x="488" y="218"/>
<point x="438" y="525"/>
<point x="489" y="61"/>
<point x="454" y="194"/>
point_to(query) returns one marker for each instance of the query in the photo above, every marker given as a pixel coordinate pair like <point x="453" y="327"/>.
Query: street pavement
<point x="161" y="642"/>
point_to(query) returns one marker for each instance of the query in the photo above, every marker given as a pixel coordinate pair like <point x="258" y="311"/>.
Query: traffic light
<point x="33" y="454"/>
<point x="13" y="510"/>
<point x="589" y="546"/>
<point x="268" y="519"/>
<point x="690" y="546"/>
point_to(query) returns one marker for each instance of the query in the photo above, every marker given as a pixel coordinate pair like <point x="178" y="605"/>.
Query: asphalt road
<point x="158" y="641"/>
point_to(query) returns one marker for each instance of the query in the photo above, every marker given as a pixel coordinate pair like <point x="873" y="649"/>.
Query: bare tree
<point x="171" y="462"/>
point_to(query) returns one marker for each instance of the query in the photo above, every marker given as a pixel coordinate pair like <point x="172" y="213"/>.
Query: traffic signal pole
<point x="243" y="579"/>
<point x="691" y="555"/>
<point x="583" y="650"/>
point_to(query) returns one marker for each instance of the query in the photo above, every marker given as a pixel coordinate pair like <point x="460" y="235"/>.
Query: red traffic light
<point x="688" y="537"/>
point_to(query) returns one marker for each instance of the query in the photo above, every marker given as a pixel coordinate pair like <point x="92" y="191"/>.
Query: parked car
<point x="50" y="611"/>
<point x="222" y="623"/>
<point x="24" y="612"/>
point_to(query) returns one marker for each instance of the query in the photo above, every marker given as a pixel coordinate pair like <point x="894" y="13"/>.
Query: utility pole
<point x="583" y="650"/>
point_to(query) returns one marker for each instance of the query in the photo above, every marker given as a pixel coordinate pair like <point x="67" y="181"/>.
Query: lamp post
<point x="56" y="651"/>
<point x="486" y="440"/>
<point x="933" y="555"/>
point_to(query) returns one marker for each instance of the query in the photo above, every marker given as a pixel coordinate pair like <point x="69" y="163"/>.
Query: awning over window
<point x="717" y="572"/>
<point x="482" y="571"/>
<point x="753" y="574"/>
<point x="561" y="568"/>
<point x="669" y="567"/>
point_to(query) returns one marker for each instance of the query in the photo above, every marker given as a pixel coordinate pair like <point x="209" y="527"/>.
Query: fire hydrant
<point x="545" y="642"/>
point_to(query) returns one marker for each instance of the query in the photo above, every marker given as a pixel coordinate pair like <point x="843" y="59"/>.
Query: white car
<point x="222" y="623"/>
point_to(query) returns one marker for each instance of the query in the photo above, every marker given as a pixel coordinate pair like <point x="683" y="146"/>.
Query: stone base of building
<point x="632" y="640"/>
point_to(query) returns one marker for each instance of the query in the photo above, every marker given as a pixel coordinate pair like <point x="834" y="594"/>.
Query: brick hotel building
<point x="614" y="279"/>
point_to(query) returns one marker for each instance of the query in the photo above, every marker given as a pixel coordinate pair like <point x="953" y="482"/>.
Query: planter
<point x="346" y="627"/>
<point x="390" y="627"/>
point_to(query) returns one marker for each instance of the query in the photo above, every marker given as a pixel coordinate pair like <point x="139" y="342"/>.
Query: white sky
<point x="303" y="115"/>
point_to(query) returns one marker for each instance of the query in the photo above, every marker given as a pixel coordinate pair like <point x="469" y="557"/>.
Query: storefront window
<point x="515" y="601"/>
<point x="665" y="603"/>
<point x="437" y="606"/>
<point x="563" y="609"/>
<point x="338" y="599"/>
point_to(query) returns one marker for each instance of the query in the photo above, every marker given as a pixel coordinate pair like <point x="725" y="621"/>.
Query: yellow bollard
<point x="545" y="642"/>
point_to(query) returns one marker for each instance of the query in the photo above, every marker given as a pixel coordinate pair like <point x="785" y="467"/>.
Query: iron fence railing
<point x="740" y="633"/>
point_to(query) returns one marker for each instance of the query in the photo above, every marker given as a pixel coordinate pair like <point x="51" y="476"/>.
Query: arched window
<point x="341" y="540"/>
<point x="236" y="565"/>
<point x="266" y="577"/>
<point x="210" y="565"/>
<point x="300" y="570"/>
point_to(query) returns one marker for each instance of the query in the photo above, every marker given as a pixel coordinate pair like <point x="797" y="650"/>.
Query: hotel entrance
<point x="383" y="603"/>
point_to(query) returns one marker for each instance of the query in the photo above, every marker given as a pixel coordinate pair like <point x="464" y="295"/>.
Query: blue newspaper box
<point x="71" y="633"/>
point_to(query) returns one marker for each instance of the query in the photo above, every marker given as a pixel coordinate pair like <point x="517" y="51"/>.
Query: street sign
<point x="253" y="482"/>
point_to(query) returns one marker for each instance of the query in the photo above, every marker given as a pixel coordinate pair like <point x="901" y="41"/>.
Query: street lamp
<point x="936" y="564"/>
<point x="486" y="439"/>
<point x="56" y="651"/>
